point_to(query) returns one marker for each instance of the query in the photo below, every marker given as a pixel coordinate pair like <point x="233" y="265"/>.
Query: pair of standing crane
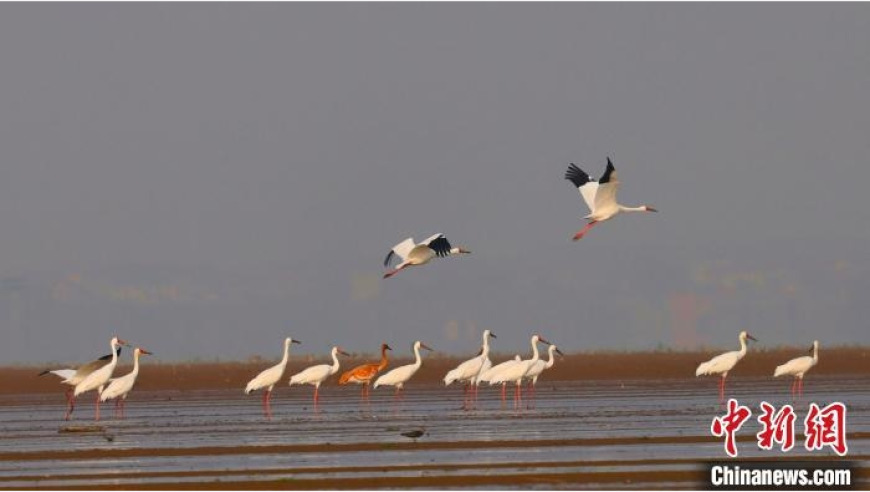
<point x="722" y="364"/>
<point x="97" y="376"/>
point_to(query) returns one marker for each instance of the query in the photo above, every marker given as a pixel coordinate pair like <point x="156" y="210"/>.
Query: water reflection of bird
<point x="416" y="433"/>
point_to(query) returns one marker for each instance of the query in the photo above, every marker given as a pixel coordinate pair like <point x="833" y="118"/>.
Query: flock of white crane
<point x="600" y="197"/>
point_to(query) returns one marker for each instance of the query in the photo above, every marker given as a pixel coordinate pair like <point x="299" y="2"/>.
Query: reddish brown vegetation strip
<point x="587" y="366"/>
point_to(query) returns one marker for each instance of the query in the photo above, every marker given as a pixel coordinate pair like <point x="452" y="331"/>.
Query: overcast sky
<point x="205" y="179"/>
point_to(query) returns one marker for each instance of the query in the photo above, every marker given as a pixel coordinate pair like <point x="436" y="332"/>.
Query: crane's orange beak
<point x="145" y="352"/>
<point x="342" y="352"/>
<point x="423" y="345"/>
<point x="751" y="337"/>
<point x="650" y="209"/>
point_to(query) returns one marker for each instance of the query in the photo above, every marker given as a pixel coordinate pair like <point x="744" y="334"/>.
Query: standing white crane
<point x="541" y="365"/>
<point x="120" y="387"/>
<point x="269" y="377"/>
<point x="408" y="253"/>
<point x="97" y="379"/>
<point x="723" y="363"/>
<point x="487" y="375"/>
<point x="73" y="376"/>
<point x="518" y="371"/>
<point x="797" y="367"/>
<point x="468" y="371"/>
<point x="316" y="375"/>
<point x="400" y="375"/>
<point x="600" y="196"/>
<point x="538" y="368"/>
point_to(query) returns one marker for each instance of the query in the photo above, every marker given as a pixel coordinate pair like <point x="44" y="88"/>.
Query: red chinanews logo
<point x="823" y="427"/>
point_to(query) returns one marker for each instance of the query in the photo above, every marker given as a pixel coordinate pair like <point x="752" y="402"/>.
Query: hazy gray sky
<point x="206" y="179"/>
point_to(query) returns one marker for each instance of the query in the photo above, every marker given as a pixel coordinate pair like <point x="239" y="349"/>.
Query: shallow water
<point x="573" y="428"/>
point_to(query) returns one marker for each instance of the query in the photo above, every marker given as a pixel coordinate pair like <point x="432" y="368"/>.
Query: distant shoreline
<point x="601" y="365"/>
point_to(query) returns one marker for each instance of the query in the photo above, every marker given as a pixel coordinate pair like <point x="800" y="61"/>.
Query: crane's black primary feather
<point x="388" y="258"/>
<point x="440" y="246"/>
<point x="577" y="176"/>
<point x="109" y="356"/>
<point x="606" y="177"/>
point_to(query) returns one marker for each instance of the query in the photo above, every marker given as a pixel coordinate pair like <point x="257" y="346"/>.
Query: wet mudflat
<point x="577" y="434"/>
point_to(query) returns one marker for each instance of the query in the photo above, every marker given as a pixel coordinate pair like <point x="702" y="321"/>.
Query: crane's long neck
<point x="552" y="352"/>
<point x="384" y="360"/>
<point x="334" y="368"/>
<point x="815" y="354"/>
<point x="114" y="360"/>
<point x="135" y="370"/>
<point x="623" y="208"/>
<point x="286" y="353"/>
<point x="485" y="353"/>
<point x="742" y="346"/>
<point x="535" y="354"/>
<point x="419" y="360"/>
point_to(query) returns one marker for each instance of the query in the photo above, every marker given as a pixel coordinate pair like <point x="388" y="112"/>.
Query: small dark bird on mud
<point x="416" y="433"/>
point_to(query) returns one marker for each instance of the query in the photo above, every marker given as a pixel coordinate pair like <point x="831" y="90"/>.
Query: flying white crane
<point x="316" y="375"/>
<point x="269" y="377"/>
<point x="400" y="375"/>
<point x="469" y="370"/>
<point x="97" y="379"/>
<point x="797" y="367"/>
<point x="600" y="196"/>
<point x="518" y="371"/>
<point x="120" y="387"/>
<point x="408" y="253"/>
<point x="723" y="363"/>
<point x="73" y="376"/>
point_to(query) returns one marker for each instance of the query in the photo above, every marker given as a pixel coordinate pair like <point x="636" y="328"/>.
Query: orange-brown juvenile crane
<point x="365" y="373"/>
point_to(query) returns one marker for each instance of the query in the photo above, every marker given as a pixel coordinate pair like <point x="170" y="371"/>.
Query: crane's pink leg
<point x="583" y="231"/>
<point x="801" y="387"/>
<point x="722" y="389"/>
<point x="503" y="391"/>
<point x="393" y="272"/>
<point x="70" y="404"/>
<point x="97" y="406"/>
<point x="475" y="389"/>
